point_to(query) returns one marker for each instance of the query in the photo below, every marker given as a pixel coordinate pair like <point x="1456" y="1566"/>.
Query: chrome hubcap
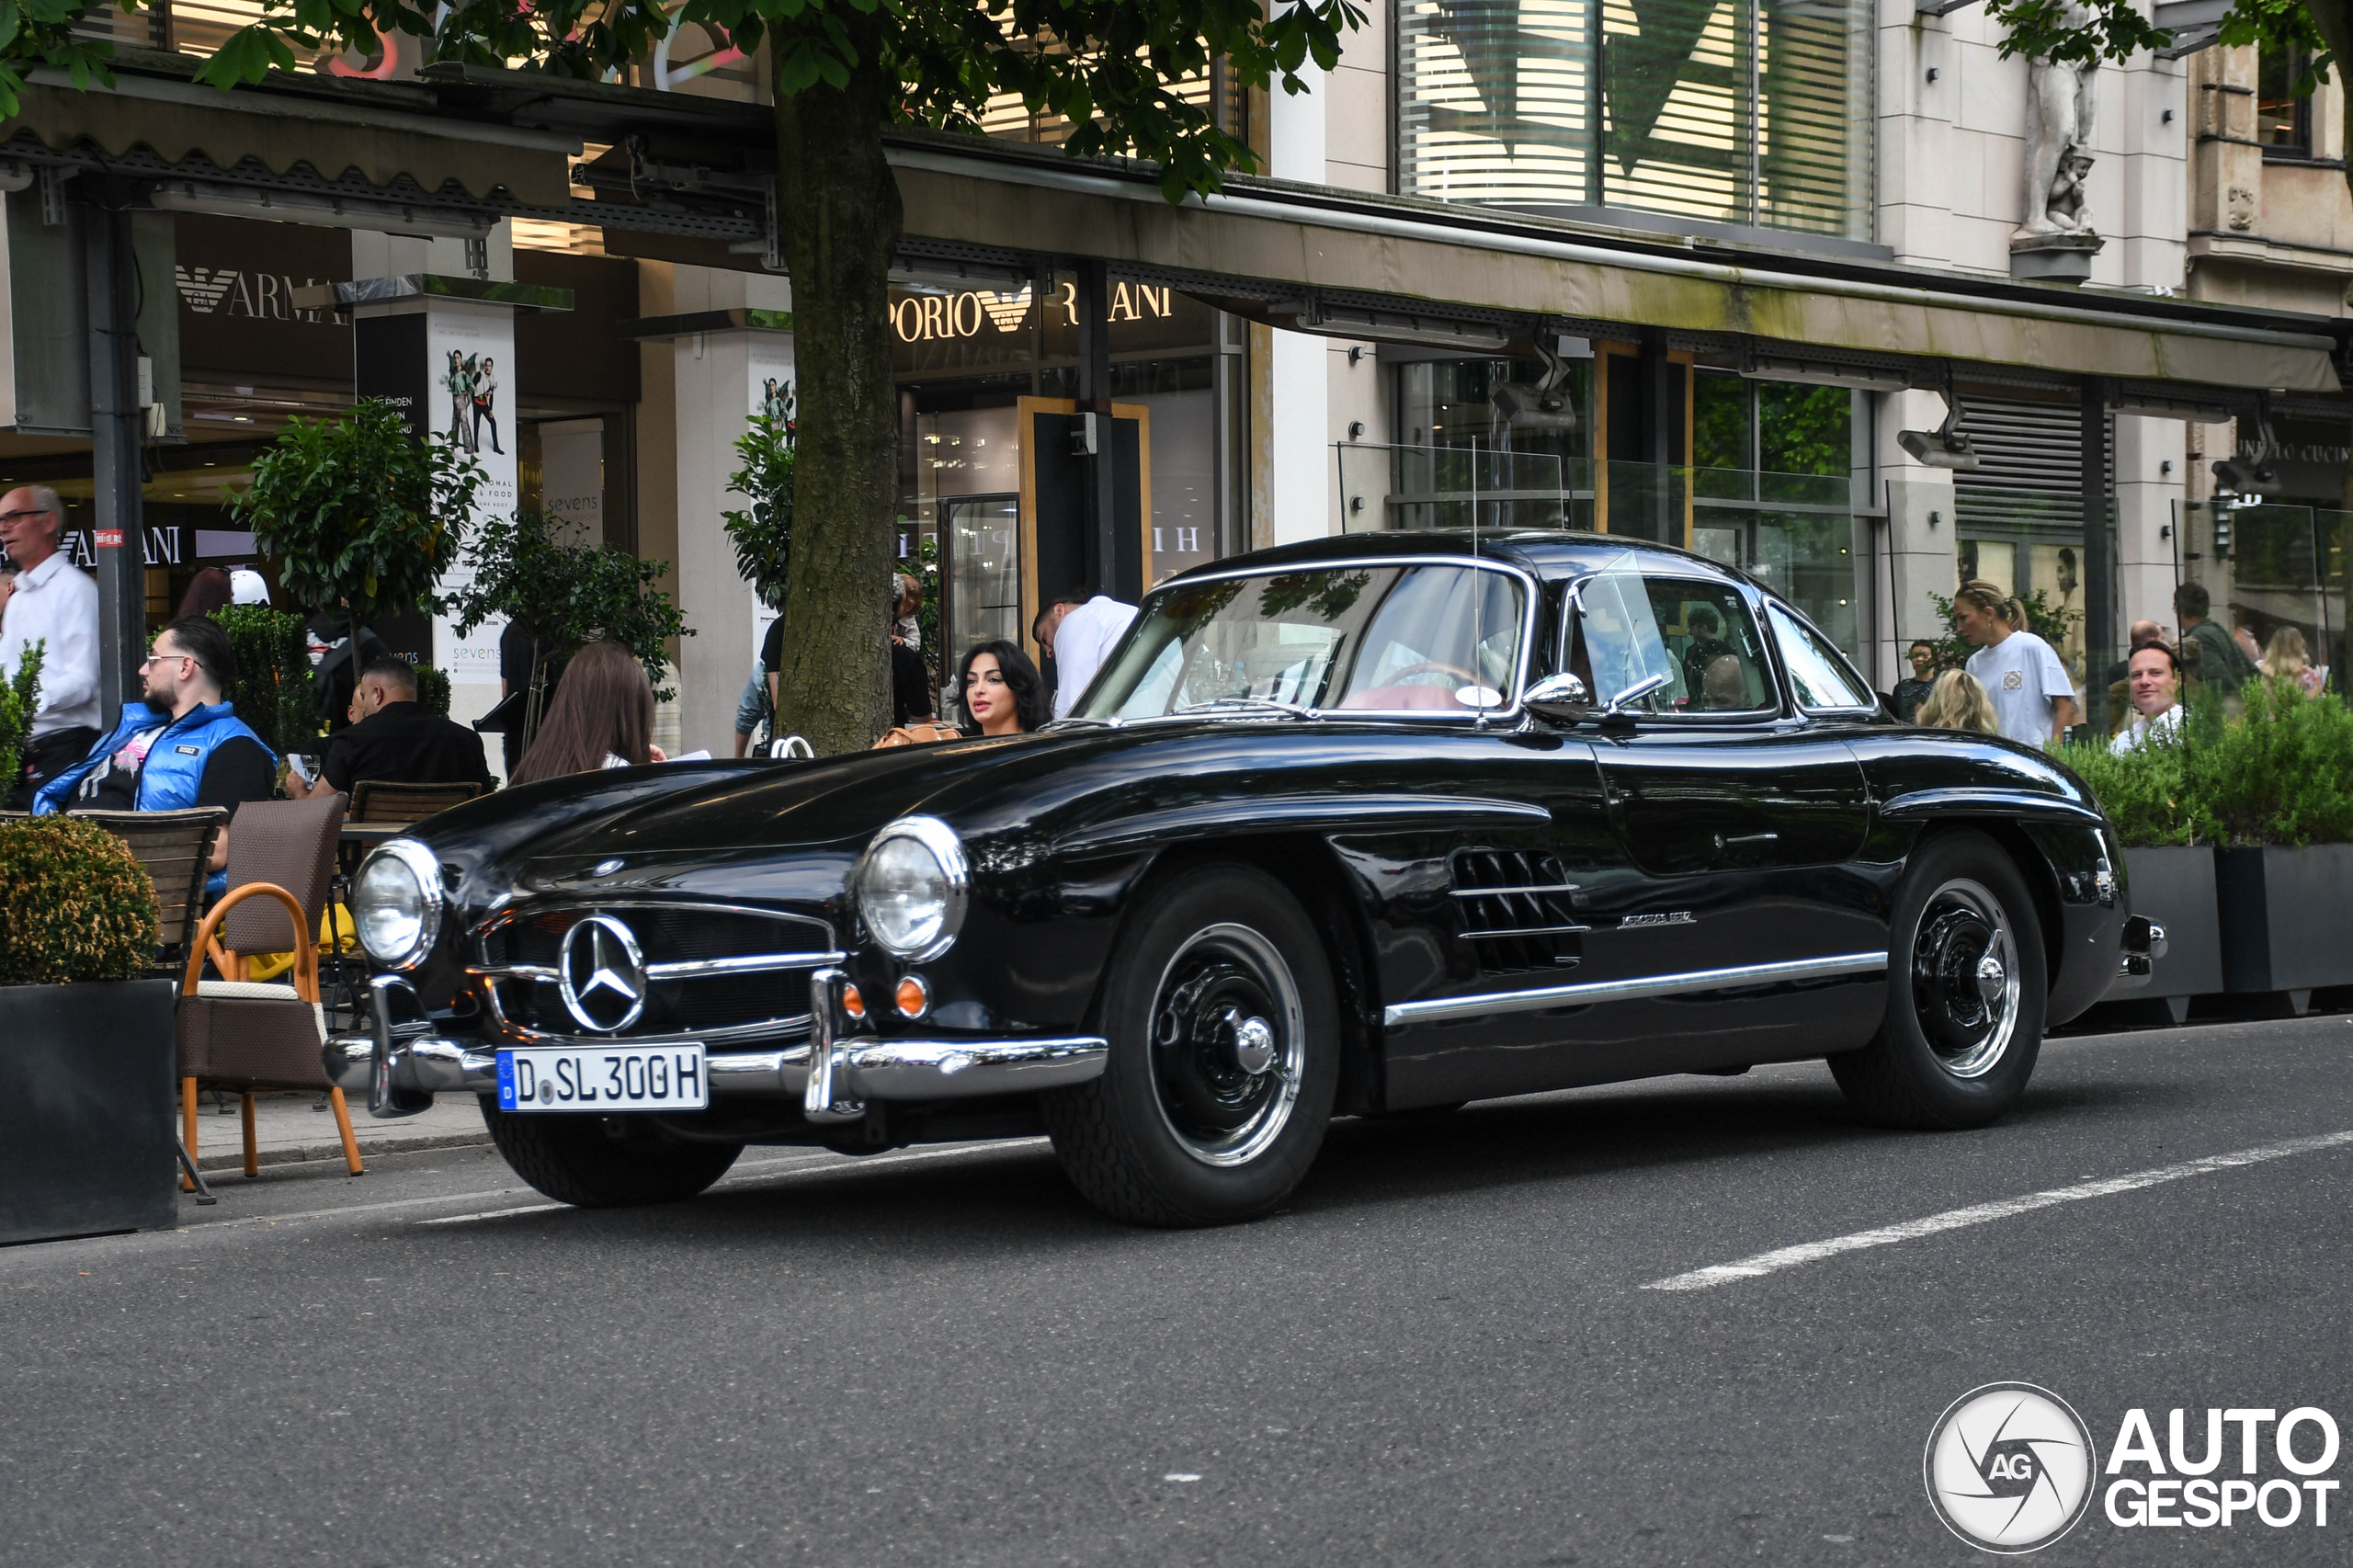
<point x="1965" y="978"/>
<point x="1229" y="1043"/>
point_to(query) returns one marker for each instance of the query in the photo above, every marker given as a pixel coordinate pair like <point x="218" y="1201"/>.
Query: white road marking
<point x="492" y="1214"/>
<point x="1983" y="1213"/>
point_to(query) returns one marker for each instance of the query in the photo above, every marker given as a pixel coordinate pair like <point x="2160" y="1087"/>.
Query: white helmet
<point x="246" y="587"/>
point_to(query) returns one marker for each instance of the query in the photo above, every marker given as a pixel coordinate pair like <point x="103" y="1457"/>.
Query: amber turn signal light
<point x="852" y="1003"/>
<point x="914" y="997"/>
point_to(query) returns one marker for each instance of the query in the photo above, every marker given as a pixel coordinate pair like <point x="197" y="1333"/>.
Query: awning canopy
<point x="389" y="135"/>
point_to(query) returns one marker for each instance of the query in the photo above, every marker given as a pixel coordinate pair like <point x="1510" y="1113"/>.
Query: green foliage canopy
<point x="272" y="691"/>
<point x="359" y="513"/>
<point x="19" y="701"/>
<point x="2279" y="773"/>
<point x="569" y="593"/>
<point x="763" y="534"/>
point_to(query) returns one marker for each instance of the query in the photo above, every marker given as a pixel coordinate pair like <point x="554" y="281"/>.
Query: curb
<point x="332" y="1149"/>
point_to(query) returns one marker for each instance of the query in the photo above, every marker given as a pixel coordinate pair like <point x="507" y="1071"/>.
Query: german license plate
<point x="603" y="1078"/>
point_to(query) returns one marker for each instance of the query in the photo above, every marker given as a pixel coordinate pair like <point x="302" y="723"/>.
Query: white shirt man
<point x="2034" y="700"/>
<point x="2153" y="678"/>
<point x="1078" y="637"/>
<point x="53" y="604"/>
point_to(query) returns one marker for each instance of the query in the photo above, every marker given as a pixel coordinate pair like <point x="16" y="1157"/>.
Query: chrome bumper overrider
<point x="2143" y="945"/>
<point x="403" y="1065"/>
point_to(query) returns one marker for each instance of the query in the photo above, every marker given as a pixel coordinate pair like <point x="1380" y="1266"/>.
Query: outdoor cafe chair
<point x="384" y="800"/>
<point x="246" y="1035"/>
<point x="174" y="848"/>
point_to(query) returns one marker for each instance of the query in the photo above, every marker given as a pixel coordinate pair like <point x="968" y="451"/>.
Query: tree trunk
<point x="840" y="215"/>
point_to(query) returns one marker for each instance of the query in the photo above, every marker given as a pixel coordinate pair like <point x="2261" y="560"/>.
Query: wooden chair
<point x="244" y="1034"/>
<point x="174" y="848"/>
<point x="383" y="800"/>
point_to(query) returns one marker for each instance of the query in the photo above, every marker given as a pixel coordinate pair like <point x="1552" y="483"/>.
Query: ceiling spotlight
<point x="1944" y="447"/>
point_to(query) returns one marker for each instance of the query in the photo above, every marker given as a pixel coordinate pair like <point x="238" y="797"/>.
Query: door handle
<point x="1724" y="842"/>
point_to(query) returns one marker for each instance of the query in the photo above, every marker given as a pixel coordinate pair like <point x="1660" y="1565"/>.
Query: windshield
<point x="1378" y="639"/>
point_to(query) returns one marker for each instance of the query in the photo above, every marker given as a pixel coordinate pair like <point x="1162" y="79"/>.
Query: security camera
<point x="1938" y="449"/>
<point x="2244" y="476"/>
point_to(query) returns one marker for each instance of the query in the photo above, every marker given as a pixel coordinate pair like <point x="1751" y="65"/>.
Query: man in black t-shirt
<point x="398" y="741"/>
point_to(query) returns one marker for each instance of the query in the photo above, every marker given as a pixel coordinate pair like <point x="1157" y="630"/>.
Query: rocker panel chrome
<point x="1493" y="1003"/>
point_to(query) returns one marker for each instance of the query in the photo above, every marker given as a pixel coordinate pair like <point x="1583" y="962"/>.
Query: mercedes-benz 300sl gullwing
<point x="1359" y="827"/>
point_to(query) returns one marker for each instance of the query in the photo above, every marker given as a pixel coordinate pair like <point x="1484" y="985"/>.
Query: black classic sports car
<point x="1349" y="827"/>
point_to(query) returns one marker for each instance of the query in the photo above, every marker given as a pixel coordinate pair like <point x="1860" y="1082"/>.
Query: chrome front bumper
<point x="402" y="1066"/>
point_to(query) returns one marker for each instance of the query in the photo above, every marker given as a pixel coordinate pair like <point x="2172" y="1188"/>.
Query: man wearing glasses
<point x="183" y="746"/>
<point x="50" y="603"/>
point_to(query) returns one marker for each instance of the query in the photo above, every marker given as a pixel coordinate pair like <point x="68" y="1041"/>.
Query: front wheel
<point x="1222" y="1023"/>
<point x="1966" y="987"/>
<point x="580" y="1159"/>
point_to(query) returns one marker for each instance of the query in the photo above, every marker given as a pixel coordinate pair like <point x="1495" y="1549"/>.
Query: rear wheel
<point x="578" y="1160"/>
<point x="1966" y="987"/>
<point x="1220" y="1011"/>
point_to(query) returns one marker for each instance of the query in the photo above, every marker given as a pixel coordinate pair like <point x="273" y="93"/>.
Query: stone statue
<point x="2058" y="140"/>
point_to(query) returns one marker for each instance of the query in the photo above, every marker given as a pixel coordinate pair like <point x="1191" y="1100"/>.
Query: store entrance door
<point x="980" y="592"/>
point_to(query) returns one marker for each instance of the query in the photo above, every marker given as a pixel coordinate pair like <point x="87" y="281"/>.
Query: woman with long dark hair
<point x="208" y="591"/>
<point x="1000" y="691"/>
<point x="601" y="716"/>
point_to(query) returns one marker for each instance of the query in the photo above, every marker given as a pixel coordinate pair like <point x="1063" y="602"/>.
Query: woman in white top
<point x="2152" y="678"/>
<point x="2032" y="693"/>
<point x="601" y="716"/>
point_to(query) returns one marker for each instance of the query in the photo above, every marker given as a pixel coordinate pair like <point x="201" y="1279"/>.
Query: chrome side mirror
<point x="1633" y="693"/>
<point x="1561" y="696"/>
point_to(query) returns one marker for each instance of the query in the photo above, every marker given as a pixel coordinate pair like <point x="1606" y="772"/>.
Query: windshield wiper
<point x="1245" y="704"/>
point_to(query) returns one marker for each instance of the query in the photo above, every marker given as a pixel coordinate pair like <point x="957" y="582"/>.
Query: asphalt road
<point x="1442" y="1352"/>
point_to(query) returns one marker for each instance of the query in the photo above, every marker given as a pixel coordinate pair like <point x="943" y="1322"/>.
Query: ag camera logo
<point x="2009" y="1467"/>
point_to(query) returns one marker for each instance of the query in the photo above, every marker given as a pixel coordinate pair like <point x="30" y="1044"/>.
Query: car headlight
<point x="911" y="887"/>
<point x="396" y="903"/>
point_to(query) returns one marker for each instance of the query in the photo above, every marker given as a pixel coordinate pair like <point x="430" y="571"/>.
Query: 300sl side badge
<point x="1680" y="917"/>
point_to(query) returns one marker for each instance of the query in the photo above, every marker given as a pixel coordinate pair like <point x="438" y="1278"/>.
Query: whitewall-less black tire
<point x="1220" y="1011"/>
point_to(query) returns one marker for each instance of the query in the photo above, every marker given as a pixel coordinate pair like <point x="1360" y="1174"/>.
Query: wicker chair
<point x="243" y="1035"/>
<point x="383" y="800"/>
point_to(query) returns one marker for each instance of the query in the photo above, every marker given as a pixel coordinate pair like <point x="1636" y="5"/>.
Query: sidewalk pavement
<point x="288" y="1130"/>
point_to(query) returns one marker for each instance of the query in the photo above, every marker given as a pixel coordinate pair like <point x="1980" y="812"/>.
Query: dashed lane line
<point x="1766" y="1263"/>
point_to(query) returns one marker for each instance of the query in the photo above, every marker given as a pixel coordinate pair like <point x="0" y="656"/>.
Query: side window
<point x="1819" y="673"/>
<point x="1698" y="636"/>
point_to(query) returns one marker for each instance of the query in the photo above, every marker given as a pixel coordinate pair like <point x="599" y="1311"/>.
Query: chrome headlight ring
<point x="398" y="923"/>
<point x="914" y="923"/>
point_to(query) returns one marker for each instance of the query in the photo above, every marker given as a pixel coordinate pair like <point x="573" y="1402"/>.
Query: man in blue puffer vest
<point x="183" y="746"/>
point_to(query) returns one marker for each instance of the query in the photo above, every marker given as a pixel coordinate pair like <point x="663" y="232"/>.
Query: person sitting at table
<point x="601" y="716"/>
<point x="183" y="746"/>
<point x="395" y="739"/>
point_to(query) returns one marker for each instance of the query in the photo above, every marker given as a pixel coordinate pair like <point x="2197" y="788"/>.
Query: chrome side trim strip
<point x="1495" y="1003"/>
<point x="1317" y="813"/>
<point x="1525" y="931"/>
<point x="1515" y="892"/>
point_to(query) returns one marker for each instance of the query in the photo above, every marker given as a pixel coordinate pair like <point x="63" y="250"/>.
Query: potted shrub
<point x="19" y="701"/>
<point x="360" y="516"/>
<point x="569" y="594"/>
<point x="272" y="691"/>
<point x="2238" y="838"/>
<point x="2274" y="794"/>
<point x="2168" y="874"/>
<point x="86" y="1046"/>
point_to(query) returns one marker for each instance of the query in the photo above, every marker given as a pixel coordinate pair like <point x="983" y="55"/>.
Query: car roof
<point x="1548" y="554"/>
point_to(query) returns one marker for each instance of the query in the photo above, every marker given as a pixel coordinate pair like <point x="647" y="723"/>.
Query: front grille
<point x="1517" y="907"/>
<point x="521" y="954"/>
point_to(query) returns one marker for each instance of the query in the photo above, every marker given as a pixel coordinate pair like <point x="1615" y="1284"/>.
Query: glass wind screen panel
<point x="984" y="571"/>
<point x="1377" y="639"/>
<point x="1728" y="111"/>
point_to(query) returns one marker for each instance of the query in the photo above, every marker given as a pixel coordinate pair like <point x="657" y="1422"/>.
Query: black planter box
<point x="2286" y="917"/>
<point x="85" y="1109"/>
<point x="2175" y="889"/>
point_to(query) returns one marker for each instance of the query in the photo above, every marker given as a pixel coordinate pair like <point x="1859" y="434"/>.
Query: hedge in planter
<point x="74" y="904"/>
<point x="86" y="1049"/>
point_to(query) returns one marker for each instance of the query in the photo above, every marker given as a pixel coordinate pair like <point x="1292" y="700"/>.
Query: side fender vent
<point x="1517" y="910"/>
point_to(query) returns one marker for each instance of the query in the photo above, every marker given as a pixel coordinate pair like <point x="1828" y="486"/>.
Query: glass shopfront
<point x="990" y="508"/>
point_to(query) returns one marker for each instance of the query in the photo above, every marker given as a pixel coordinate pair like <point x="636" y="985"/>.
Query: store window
<point x="1740" y="112"/>
<point x="1772" y="490"/>
<point x="987" y="377"/>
